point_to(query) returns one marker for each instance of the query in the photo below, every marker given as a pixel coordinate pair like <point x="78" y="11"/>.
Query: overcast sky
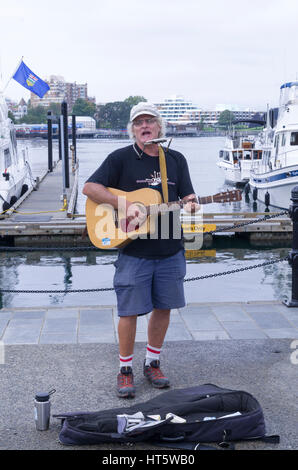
<point x="211" y="52"/>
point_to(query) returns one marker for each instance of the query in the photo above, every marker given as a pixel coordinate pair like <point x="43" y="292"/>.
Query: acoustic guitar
<point x="108" y="228"/>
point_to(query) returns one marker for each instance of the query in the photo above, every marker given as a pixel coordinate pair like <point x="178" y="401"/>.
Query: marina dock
<point x="45" y="212"/>
<point x="45" y="216"/>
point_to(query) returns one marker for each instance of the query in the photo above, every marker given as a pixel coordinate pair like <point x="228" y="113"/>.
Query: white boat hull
<point x="278" y="183"/>
<point x="231" y="174"/>
<point x="15" y="171"/>
<point x="13" y="193"/>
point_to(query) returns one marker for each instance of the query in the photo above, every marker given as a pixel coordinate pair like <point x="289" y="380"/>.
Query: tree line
<point x="113" y="115"/>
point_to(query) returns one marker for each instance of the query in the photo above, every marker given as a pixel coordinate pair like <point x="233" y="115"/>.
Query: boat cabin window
<point x="276" y="140"/>
<point x="235" y="157"/>
<point x="226" y="156"/>
<point x="257" y="154"/>
<point x="7" y="158"/>
<point x="247" y="155"/>
<point x="283" y="140"/>
<point x="294" y="138"/>
<point x="221" y="153"/>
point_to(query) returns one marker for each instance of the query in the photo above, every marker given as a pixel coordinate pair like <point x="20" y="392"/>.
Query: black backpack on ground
<point x="179" y="418"/>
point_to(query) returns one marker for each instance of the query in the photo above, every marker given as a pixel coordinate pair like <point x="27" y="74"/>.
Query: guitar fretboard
<point x="205" y="200"/>
<point x="170" y="206"/>
<point x="228" y="196"/>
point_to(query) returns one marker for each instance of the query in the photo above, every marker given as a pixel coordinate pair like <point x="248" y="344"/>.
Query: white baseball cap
<point x="143" y="108"/>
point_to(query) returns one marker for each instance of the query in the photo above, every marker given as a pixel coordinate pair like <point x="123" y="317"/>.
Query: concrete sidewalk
<point x="245" y="346"/>
<point x="195" y="322"/>
<point x="84" y="376"/>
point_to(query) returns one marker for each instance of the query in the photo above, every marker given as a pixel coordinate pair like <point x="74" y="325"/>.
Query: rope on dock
<point x="64" y="208"/>
<point x="104" y="289"/>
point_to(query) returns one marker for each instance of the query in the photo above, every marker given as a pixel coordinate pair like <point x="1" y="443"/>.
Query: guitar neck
<point x="205" y="200"/>
<point x="175" y="205"/>
<point x="228" y="196"/>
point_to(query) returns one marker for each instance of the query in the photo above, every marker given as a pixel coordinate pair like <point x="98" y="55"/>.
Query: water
<point x="93" y="270"/>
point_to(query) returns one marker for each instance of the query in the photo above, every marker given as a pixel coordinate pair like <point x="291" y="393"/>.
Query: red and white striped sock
<point x="152" y="354"/>
<point x="125" y="361"/>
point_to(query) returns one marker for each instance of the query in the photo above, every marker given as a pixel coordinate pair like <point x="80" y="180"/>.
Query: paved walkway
<point x="195" y="322"/>
<point x="74" y="350"/>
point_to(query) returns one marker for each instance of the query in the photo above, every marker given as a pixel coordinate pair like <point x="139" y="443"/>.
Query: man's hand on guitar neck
<point x="190" y="203"/>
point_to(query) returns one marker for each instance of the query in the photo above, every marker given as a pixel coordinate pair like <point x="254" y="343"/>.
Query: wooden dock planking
<point x="47" y="199"/>
<point x="44" y="205"/>
<point x="38" y="219"/>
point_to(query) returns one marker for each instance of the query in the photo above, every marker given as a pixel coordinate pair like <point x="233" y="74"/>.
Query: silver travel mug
<point x="42" y="407"/>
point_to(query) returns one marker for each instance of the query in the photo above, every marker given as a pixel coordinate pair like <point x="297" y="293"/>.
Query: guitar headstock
<point x="228" y="196"/>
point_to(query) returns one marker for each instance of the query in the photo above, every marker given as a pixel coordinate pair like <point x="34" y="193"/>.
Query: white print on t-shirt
<point x="155" y="179"/>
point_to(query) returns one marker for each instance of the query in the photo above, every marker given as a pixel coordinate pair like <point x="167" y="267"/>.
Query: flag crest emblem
<point x="31" y="80"/>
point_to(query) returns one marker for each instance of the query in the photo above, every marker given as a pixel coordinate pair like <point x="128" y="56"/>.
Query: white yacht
<point x="273" y="181"/>
<point x="15" y="171"/>
<point x="238" y="155"/>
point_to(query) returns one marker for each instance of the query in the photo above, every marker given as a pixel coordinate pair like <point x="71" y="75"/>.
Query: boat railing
<point x="259" y="167"/>
<point x="285" y="153"/>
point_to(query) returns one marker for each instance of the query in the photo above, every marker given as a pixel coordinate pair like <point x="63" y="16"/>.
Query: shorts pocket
<point x="125" y="272"/>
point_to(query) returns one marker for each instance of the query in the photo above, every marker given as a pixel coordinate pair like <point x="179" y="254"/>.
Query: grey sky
<point x="230" y="51"/>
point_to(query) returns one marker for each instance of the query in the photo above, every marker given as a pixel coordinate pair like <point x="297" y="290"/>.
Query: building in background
<point x="177" y="111"/>
<point x="19" y="110"/>
<point x="60" y="91"/>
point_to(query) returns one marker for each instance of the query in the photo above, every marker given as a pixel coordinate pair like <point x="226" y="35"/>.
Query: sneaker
<point x="155" y="376"/>
<point x="125" y="387"/>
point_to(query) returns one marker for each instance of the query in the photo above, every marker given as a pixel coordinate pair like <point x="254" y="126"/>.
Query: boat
<point x="273" y="180"/>
<point x="238" y="155"/>
<point x="15" y="170"/>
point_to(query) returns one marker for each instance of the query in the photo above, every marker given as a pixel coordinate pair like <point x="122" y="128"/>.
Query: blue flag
<point x="29" y="80"/>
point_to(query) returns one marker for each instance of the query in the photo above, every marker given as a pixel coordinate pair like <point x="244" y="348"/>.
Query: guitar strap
<point x="163" y="173"/>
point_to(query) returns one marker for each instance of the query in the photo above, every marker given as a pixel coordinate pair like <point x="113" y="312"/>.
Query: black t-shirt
<point x="124" y="170"/>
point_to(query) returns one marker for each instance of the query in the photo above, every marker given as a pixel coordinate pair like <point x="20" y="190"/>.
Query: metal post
<point x="65" y="139"/>
<point x="74" y="137"/>
<point x="50" y="142"/>
<point x="60" y="139"/>
<point x="62" y="154"/>
<point x="293" y="255"/>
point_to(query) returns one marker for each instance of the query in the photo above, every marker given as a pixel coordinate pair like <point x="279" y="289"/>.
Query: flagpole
<point x="12" y="74"/>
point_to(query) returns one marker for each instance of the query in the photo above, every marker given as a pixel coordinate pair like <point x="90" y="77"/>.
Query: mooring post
<point x="50" y="142"/>
<point x="65" y="140"/>
<point x="293" y="255"/>
<point x="74" y="136"/>
<point x="59" y="138"/>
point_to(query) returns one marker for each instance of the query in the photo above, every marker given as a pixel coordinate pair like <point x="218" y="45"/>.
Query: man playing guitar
<point x="150" y="270"/>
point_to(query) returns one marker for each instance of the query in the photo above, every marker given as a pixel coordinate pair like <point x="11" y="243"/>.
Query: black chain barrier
<point x="261" y="219"/>
<point x="197" y="278"/>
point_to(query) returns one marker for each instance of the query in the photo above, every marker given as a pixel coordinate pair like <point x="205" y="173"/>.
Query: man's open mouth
<point x="146" y="133"/>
